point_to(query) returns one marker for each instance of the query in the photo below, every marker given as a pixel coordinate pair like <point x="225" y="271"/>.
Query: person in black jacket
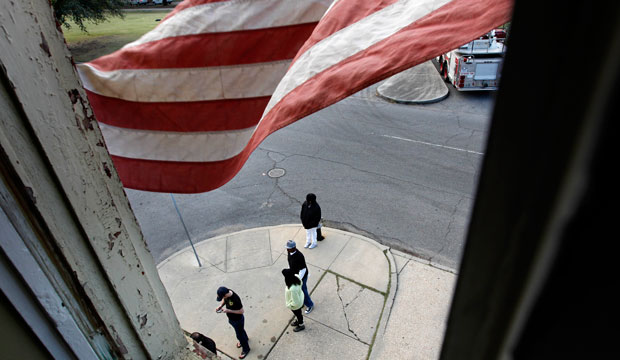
<point x="310" y="217"/>
<point x="297" y="264"/>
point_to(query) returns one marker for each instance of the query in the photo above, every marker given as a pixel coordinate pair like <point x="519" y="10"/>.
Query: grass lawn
<point x="111" y="35"/>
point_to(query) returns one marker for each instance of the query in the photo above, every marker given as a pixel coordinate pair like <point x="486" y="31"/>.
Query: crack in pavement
<point x="449" y="227"/>
<point x="450" y="138"/>
<point x="355" y="297"/>
<point x="473" y="159"/>
<point x="269" y="155"/>
<point x="401" y="270"/>
<point x="344" y="310"/>
<point x="292" y="199"/>
<point x="275" y="163"/>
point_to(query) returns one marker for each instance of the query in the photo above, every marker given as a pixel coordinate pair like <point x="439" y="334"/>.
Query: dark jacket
<point x="206" y="342"/>
<point x="310" y="212"/>
<point x="297" y="262"/>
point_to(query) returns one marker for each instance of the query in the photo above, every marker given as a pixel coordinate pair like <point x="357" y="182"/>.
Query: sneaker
<point x="305" y="246"/>
<point x="299" y="327"/>
<point x="309" y="309"/>
<point x="245" y="353"/>
<point x="295" y="323"/>
<point x="312" y="246"/>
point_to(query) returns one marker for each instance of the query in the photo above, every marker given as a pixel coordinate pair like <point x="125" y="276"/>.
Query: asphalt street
<point x="403" y="175"/>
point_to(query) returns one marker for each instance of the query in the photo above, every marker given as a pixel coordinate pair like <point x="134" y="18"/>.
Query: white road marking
<point x="431" y="144"/>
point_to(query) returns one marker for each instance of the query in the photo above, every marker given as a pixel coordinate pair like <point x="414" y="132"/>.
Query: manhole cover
<point x="276" y="173"/>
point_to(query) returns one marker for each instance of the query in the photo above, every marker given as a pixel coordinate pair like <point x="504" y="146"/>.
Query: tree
<point x="86" y="10"/>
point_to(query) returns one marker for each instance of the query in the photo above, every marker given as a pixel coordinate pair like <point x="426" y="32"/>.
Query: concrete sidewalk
<point x="420" y="84"/>
<point x="370" y="302"/>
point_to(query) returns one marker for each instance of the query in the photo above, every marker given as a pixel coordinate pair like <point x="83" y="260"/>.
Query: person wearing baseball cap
<point x="234" y="310"/>
<point x="297" y="264"/>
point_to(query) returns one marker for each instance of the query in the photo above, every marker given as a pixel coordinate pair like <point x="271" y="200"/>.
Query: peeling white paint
<point x="53" y="143"/>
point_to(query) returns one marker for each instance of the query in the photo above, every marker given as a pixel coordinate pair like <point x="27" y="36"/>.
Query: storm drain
<point x="276" y="173"/>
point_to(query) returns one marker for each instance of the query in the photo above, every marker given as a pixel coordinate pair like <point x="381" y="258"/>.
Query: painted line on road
<point x="431" y="144"/>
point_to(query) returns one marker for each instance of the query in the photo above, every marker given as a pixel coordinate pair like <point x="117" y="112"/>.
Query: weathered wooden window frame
<point x="64" y="200"/>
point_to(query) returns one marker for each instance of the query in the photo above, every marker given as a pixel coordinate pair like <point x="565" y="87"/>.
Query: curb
<point x="387" y="307"/>
<point x="420" y="84"/>
<point x="412" y="102"/>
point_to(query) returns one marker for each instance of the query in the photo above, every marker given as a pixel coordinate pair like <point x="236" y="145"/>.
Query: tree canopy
<point x="79" y="11"/>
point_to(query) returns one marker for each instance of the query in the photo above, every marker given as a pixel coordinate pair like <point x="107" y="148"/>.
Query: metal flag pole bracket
<point x="185" y="227"/>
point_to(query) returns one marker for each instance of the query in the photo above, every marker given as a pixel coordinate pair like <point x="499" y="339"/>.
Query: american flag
<point x="182" y="108"/>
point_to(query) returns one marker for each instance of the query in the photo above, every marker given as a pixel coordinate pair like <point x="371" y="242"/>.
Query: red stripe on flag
<point x="215" y="115"/>
<point x="177" y="177"/>
<point x="341" y="15"/>
<point x="213" y="49"/>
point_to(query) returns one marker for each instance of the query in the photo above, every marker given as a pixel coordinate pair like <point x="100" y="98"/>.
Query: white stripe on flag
<point x="175" y="146"/>
<point x="235" y="15"/>
<point x="351" y="40"/>
<point x="187" y="84"/>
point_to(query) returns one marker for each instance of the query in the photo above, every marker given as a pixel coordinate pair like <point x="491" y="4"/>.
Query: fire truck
<point x="476" y="65"/>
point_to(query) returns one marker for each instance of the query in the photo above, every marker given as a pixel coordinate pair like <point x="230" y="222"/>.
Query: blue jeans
<point x="240" y="332"/>
<point x="307" y="301"/>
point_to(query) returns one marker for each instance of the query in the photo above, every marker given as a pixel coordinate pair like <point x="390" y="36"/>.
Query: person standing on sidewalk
<point x="234" y="311"/>
<point x="294" y="297"/>
<point x="297" y="264"/>
<point x="310" y="217"/>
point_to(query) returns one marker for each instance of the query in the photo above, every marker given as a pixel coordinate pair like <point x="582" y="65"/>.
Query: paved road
<point x="403" y="175"/>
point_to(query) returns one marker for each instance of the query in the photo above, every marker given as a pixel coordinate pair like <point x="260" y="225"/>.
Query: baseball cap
<point x="221" y="292"/>
<point x="291" y="244"/>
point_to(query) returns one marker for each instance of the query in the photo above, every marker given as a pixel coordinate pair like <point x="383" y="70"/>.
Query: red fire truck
<point x="476" y="65"/>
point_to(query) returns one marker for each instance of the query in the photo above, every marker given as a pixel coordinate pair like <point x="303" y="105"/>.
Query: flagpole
<point x="185" y="227"/>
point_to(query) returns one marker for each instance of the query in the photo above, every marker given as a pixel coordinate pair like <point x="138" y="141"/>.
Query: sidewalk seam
<point x="340" y="332"/>
<point x="226" y="257"/>
<point x="339" y="252"/>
